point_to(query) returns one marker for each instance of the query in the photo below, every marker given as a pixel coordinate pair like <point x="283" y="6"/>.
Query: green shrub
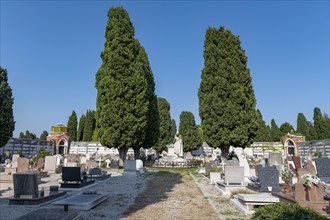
<point x="286" y="211"/>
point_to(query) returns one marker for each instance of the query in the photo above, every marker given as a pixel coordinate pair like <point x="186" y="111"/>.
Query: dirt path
<point x="177" y="196"/>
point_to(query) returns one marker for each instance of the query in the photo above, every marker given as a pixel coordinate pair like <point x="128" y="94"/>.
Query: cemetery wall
<point x="84" y="148"/>
<point x="311" y="147"/>
<point x="26" y="147"/>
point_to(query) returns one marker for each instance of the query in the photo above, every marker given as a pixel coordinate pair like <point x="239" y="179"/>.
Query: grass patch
<point x="229" y="212"/>
<point x="241" y="191"/>
<point x="173" y="170"/>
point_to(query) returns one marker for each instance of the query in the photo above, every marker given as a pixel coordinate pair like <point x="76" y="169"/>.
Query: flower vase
<point x="307" y="193"/>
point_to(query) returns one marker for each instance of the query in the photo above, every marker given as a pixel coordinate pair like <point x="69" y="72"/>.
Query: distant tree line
<point x="32" y="136"/>
<point x="319" y="129"/>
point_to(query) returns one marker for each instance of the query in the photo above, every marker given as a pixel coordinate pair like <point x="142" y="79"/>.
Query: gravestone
<point x="50" y="164"/>
<point x="40" y="163"/>
<point x="71" y="174"/>
<point x="234" y="175"/>
<point x="323" y="168"/>
<point x="83" y="160"/>
<point x="95" y="172"/>
<point x="25" y="185"/>
<point x="268" y="177"/>
<point x="233" y="162"/>
<point x="139" y="165"/>
<point x="71" y="164"/>
<point x="14" y="159"/>
<point x="71" y="158"/>
<point x="114" y="164"/>
<point x="208" y="168"/>
<point x="275" y="159"/>
<point x="130" y="166"/>
<point x="22" y="165"/>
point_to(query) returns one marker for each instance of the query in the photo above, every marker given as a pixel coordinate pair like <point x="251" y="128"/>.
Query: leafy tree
<point x="122" y="104"/>
<point x="164" y="125"/>
<point x="89" y="126"/>
<point x="173" y="129"/>
<point x="80" y="132"/>
<point x="72" y="126"/>
<point x="188" y="131"/>
<point x="302" y="125"/>
<point x="7" y="123"/>
<point x="21" y="135"/>
<point x="286" y="128"/>
<point x="320" y="124"/>
<point x="275" y="131"/>
<point x="30" y="135"/>
<point x="44" y="135"/>
<point x="200" y="133"/>
<point x="263" y="132"/>
<point x="227" y="105"/>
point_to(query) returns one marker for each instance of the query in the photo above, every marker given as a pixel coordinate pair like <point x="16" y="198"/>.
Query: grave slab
<point x="83" y="201"/>
<point x="50" y="214"/>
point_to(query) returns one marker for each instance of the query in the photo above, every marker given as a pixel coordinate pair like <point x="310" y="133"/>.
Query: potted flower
<point x="310" y="179"/>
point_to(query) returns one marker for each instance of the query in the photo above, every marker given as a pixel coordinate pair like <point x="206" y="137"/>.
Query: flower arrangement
<point x="286" y="175"/>
<point x="309" y="179"/>
<point x="254" y="179"/>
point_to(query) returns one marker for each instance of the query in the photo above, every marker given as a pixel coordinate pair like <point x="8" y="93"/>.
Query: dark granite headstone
<point x="25" y="185"/>
<point x="114" y="164"/>
<point x="95" y="172"/>
<point x="323" y="168"/>
<point x="72" y="174"/>
<point x="268" y="177"/>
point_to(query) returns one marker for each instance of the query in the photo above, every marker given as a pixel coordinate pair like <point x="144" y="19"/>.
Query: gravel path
<point x="152" y="195"/>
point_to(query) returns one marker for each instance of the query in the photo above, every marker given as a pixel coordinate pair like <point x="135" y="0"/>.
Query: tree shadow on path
<point x="156" y="191"/>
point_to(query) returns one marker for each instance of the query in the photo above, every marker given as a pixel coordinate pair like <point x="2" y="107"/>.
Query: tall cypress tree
<point x="81" y="126"/>
<point x="7" y="123"/>
<point x="173" y="128"/>
<point x="263" y="132"/>
<point x="227" y="105"/>
<point x="302" y="126"/>
<point x="122" y="88"/>
<point x="72" y="126"/>
<point x="188" y="131"/>
<point x="89" y="126"/>
<point x="165" y="137"/>
<point x="152" y="130"/>
<point x="275" y="131"/>
<point x="311" y="132"/>
<point x="319" y="124"/>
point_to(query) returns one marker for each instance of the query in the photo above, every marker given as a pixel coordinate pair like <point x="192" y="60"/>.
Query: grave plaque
<point x="268" y="179"/>
<point x="25" y="185"/>
<point x="139" y="165"/>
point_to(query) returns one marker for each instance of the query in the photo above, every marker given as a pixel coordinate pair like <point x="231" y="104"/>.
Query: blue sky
<point x="51" y="51"/>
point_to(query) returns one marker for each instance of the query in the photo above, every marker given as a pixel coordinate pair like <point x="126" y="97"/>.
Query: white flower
<point x="309" y="179"/>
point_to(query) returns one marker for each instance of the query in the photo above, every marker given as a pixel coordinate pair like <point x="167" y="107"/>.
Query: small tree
<point x="188" y="131"/>
<point x="72" y="126"/>
<point x="164" y="125"/>
<point x="80" y="132"/>
<point x="275" y="131"/>
<point x="44" y="135"/>
<point x="89" y="126"/>
<point x="302" y="125"/>
<point x="7" y="123"/>
<point x="286" y="128"/>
